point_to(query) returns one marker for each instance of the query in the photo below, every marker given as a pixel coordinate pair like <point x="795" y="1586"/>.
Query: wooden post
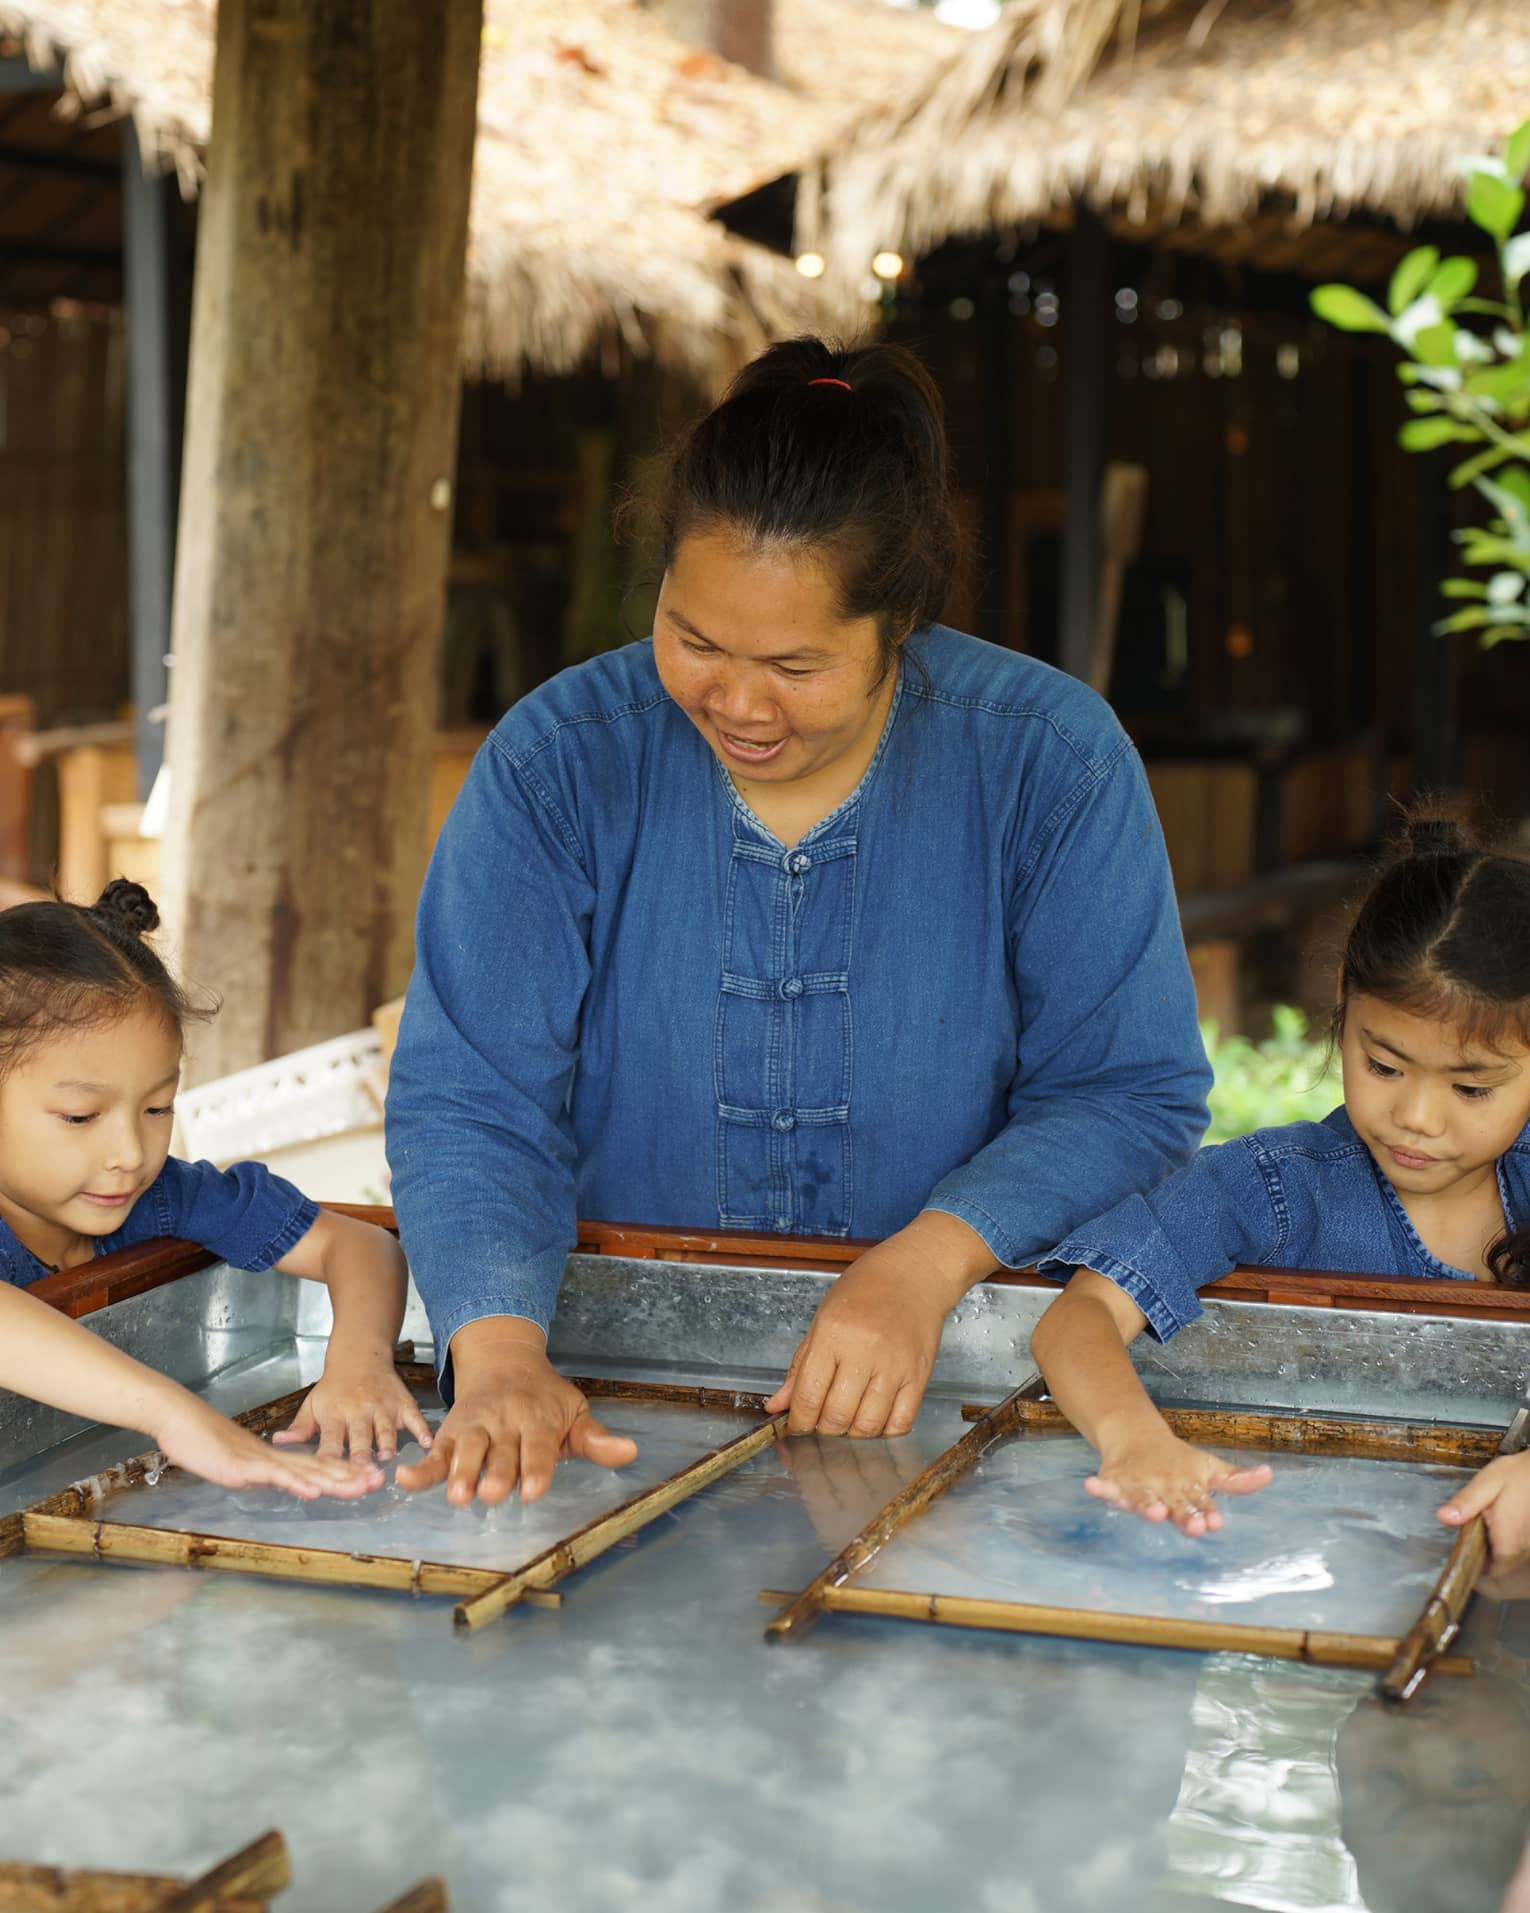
<point x="155" y="389"/>
<point x="1084" y="320"/>
<point x="316" y="515"/>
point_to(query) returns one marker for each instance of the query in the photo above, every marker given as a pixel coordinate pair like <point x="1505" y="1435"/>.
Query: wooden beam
<point x="1081" y="341"/>
<point x="155" y="387"/>
<point x="317" y="508"/>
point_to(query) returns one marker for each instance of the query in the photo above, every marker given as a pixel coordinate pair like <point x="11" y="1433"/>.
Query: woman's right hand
<point x="514" y="1419"/>
<point x="199" y="1439"/>
<point x="1163" y="1478"/>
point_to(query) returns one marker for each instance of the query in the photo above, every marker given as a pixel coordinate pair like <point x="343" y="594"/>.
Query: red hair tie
<point x="843" y="384"/>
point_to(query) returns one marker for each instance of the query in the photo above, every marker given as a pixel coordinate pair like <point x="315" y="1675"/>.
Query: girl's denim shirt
<point x="1303" y="1196"/>
<point x="966" y="989"/>
<point x="245" y="1214"/>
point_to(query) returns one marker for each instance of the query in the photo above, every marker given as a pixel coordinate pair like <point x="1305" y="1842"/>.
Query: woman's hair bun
<point x="1436" y="837"/>
<point x="128" y="904"/>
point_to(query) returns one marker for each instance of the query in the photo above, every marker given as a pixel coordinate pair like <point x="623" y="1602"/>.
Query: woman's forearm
<point x="50" y="1359"/>
<point x="1080" y="1345"/>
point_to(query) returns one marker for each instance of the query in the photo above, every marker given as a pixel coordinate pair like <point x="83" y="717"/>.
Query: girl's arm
<point x="359" y="1402"/>
<point x="1080" y="1345"/>
<point x="48" y="1358"/>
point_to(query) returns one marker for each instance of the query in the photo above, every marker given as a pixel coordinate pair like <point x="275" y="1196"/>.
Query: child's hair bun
<point x="1436" y="837"/>
<point x="129" y="905"/>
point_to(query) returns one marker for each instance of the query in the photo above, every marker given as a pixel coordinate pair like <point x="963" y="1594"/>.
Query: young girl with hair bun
<point x="1424" y="1171"/>
<point x="90" y="1054"/>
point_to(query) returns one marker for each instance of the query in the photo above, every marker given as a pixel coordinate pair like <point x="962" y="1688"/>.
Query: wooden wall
<point x="63" y="515"/>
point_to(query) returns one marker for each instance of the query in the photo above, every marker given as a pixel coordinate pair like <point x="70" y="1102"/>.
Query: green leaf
<point x="1462" y="588"/>
<point x="1494" y="205"/>
<point x="1498" y="634"/>
<point x="1436" y="345"/>
<point x="1502" y="382"/>
<point x="1516" y="482"/>
<point x="1471" y="468"/>
<point x="1414" y="271"/>
<point x="1349" y="310"/>
<point x="1473" y="618"/>
<point x="1451" y="283"/>
<point x="1516" y="154"/>
<point x="1425" y="434"/>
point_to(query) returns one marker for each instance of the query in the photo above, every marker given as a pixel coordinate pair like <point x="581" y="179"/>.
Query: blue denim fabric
<point x="966" y="989"/>
<point x="245" y="1214"/>
<point x="1303" y="1196"/>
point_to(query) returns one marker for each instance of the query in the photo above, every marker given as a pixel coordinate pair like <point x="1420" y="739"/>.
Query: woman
<point x="807" y="916"/>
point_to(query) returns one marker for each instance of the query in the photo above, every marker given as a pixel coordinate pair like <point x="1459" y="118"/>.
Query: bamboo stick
<point x="429" y="1896"/>
<point x="1444" y="1611"/>
<point x="606" y="1530"/>
<point x="613" y="1388"/>
<point x="260" y="1869"/>
<point x="179" y="1547"/>
<point x="1312" y="1434"/>
<point x="13" y="1537"/>
<point x="1138" y="1630"/>
<point x="1002" y="1420"/>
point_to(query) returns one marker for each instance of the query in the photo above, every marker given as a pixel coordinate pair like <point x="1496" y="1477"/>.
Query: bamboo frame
<point x="1402" y="1662"/>
<point x="65" y="1522"/>
<point x="1423" y="1647"/>
<point x="243" y="1883"/>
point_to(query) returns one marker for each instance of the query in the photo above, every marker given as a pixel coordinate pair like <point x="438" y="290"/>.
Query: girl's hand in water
<point x="205" y="1443"/>
<point x="1500" y="1493"/>
<point x="358" y="1405"/>
<point x="1163" y="1478"/>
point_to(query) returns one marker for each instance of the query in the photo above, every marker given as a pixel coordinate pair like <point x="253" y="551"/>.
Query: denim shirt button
<point x="799" y="862"/>
<point x="783" y="1120"/>
<point x="783" y="1223"/>
<point x="792" y="986"/>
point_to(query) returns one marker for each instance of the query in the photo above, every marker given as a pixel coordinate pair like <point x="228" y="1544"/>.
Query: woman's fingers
<point x="782" y="1399"/>
<point x="410" y="1417"/>
<point x="810" y="1389"/>
<point x="430" y="1472"/>
<point x="469" y="1452"/>
<point x="1245" y="1481"/>
<point x="842" y="1403"/>
<point x="303" y="1428"/>
<point x="869" y="1418"/>
<point x="591" y="1440"/>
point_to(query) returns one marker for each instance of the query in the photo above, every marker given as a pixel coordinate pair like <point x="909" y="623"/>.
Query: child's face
<point x="85" y="1128"/>
<point x="1430" y="1109"/>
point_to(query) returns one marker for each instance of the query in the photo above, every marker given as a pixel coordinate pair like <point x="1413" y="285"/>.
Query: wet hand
<point x="205" y="1443"/>
<point x="515" y="1418"/>
<point x="357" y="1406"/>
<point x="862" y="1367"/>
<point x="1164" y="1479"/>
<point x="1500" y="1493"/>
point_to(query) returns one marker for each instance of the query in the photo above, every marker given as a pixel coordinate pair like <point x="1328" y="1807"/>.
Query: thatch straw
<point x="603" y="145"/>
<point x="1178" y="110"/>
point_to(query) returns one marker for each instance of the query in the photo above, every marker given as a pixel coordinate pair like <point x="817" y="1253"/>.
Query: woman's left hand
<point x="862" y="1367"/>
<point x="357" y="1407"/>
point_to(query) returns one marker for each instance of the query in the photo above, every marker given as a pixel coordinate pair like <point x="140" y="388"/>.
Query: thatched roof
<point x="1169" y="111"/>
<point x="603" y="145"/>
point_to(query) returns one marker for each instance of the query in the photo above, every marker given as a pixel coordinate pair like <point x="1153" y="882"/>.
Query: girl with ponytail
<point x="1423" y="1171"/>
<point x="90" y="1053"/>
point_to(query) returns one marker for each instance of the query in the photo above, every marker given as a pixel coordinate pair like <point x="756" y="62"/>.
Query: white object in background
<point x="313" y="1095"/>
<point x="156" y="805"/>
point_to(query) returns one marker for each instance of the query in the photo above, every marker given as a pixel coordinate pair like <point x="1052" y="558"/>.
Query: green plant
<point x="1283" y="1079"/>
<point x="1469" y="384"/>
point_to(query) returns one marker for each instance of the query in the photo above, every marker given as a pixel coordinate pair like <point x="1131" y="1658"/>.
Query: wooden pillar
<point x="1433" y="663"/>
<point x="1085" y="298"/>
<point x="156" y="376"/>
<point x="316" y="510"/>
<point x="993" y="433"/>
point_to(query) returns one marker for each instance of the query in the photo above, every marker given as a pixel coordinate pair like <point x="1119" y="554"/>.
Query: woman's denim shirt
<point x="1303" y="1196"/>
<point x="966" y="989"/>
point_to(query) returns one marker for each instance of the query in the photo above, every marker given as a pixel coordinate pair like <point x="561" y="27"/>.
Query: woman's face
<point x="750" y="644"/>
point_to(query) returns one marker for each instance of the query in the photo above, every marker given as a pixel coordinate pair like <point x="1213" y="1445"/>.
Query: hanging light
<point x="810" y="264"/>
<point x="888" y="264"/>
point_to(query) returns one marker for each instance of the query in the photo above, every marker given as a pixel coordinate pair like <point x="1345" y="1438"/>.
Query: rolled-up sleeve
<point x="1110" y="1087"/>
<point x="478" y="1134"/>
<point x="1163" y="1246"/>
<point x="246" y="1214"/>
